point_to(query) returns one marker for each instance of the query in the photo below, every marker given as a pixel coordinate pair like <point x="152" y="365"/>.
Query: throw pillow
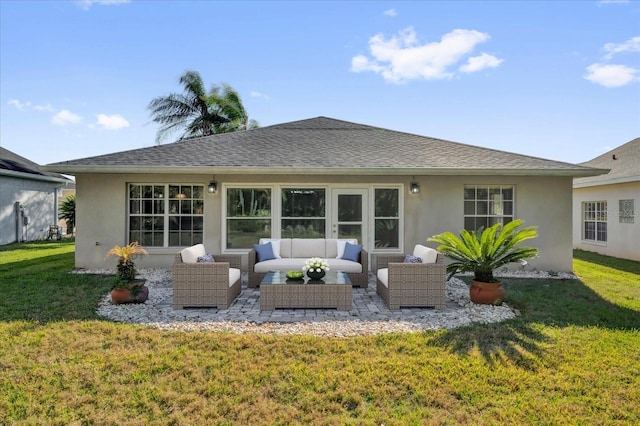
<point x="264" y="251"/>
<point x="352" y="252"/>
<point x="207" y="258"/>
<point x="341" y="245"/>
<point x="412" y="259"/>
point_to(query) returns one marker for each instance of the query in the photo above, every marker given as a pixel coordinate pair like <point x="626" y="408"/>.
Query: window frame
<point x="599" y="216"/>
<point x="489" y="216"/>
<point x="626" y="214"/>
<point x="166" y="214"/>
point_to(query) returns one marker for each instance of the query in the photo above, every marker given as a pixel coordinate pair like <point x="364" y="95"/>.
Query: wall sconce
<point x="213" y="187"/>
<point x="414" y="188"/>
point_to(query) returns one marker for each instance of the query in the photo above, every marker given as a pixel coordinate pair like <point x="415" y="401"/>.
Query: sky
<point x="550" y="79"/>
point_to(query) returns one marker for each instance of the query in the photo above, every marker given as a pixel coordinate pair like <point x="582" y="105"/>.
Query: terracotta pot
<point x="124" y="295"/>
<point x="486" y="293"/>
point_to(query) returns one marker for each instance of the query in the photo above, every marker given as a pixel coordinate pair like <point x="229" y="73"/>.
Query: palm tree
<point x="199" y="113"/>
<point x="67" y="212"/>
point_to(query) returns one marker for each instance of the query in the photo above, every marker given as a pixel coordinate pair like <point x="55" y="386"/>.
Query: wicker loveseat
<point x="294" y="251"/>
<point x="210" y="284"/>
<point x="412" y="284"/>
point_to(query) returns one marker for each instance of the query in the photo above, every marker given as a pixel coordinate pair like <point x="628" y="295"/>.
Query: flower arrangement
<point x="315" y="264"/>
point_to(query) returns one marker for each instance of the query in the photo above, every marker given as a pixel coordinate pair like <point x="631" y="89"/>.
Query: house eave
<point x="626" y="179"/>
<point x="32" y="176"/>
<point x="254" y="170"/>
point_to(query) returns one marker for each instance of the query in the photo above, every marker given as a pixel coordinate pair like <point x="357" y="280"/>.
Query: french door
<point x="349" y="216"/>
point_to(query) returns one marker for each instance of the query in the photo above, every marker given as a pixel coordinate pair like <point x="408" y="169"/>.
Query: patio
<point x="369" y="314"/>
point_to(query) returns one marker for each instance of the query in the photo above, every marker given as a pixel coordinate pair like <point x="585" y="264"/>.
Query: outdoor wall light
<point x="414" y="188"/>
<point x="213" y="187"/>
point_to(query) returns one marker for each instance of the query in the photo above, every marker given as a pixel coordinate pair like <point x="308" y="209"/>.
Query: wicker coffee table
<point x="333" y="291"/>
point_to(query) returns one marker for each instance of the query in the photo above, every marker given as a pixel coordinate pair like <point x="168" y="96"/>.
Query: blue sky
<point x="558" y="80"/>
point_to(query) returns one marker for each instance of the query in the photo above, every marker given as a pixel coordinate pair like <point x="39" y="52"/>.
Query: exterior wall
<point x="623" y="239"/>
<point x="38" y="200"/>
<point x="541" y="201"/>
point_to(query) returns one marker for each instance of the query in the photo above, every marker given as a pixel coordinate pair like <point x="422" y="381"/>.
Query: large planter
<point x="486" y="293"/>
<point x="315" y="276"/>
<point x="136" y="292"/>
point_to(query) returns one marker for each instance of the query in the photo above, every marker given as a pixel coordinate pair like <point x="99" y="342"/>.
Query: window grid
<point x="627" y="211"/>
<point x="158" y="220"/>
<point x="594" y="218"/>
<point x="386" y="217"/>
<point x="486" y="205"/>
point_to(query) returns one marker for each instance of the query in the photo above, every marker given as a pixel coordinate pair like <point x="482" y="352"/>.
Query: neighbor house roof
<point x="11" y="164"/>
<point x="320" y="146"/>
<point x="624" y="162"/>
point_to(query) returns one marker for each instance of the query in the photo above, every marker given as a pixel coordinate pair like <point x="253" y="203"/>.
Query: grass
<point x="572" y="357"/>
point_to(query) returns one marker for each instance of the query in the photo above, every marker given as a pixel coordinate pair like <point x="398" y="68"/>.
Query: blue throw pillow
<point x="412" y="259"/>
<point x="207" y="258"/>
<point x="264" y="251"/>
<point x="352" y="252"/>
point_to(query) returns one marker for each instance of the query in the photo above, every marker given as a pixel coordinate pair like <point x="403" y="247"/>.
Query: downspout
<point x="18" y="209"/>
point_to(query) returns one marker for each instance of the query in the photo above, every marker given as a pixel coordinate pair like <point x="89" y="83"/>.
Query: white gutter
<point x="626" y="179"/>
<point x="33" y="176"/>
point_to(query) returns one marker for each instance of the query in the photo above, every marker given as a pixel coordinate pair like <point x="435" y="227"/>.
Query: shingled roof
<point x="320" y="146"/>
<point x="14" y="165"/>
<point x="624" y="162"/>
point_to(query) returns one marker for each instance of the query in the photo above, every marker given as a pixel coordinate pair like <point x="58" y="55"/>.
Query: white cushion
<point x="234" y="275"/>
<point x="275" y="246"/>
<point x="342" y="244"/>
<point x="428" y="255"/>
<point x="308" y="247"/>
<point x="383" y="276"/>
<point x="296" y="264"/>
<point x="191" y="254"/>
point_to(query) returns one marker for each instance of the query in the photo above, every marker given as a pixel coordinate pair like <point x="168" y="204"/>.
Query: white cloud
<point x="391" y="12"/>
<point x="402" y="57"/>
<point x="259" y="95"/>
<point x="112" y="122"/>
<point x="65" y="117"/>
<point x="46" y="108"/>
<point x="631" y="45"/>
<point x="611" y="75"/>
<point x="19" y="105"/>
<point x="86" y="4"/>
<point x="478" y="63"/>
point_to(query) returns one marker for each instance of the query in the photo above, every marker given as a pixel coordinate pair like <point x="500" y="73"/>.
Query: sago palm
<point x="484" y="251"/>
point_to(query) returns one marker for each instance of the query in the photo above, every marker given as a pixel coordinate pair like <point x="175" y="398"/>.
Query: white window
<point x="627" y="211"/>
<point x="594" y="220"/>
<point x="486" y="205"/>
<point x="248" y="216"/>
<point x="166" y="215"/>
<point x="387" y="218"/>
<point x="303" y="212"/>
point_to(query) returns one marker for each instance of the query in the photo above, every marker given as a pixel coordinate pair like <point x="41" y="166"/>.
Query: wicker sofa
<point x="294" y="251"/>
<point x="206" y="284"/>
<point x="412" y="284"/>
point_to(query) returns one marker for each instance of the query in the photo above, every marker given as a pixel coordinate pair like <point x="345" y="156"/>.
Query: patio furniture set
<point x="203" y="280"/>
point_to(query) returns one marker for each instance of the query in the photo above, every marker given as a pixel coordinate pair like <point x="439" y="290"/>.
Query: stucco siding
<point x="623" y="239"/>
<point x="38" y="201"/>
<point x="541" y="201"/>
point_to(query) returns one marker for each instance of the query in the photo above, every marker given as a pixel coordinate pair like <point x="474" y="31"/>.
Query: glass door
<point x="349" y="215"/>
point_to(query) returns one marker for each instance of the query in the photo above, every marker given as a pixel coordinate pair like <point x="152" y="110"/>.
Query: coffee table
<point x="333" y="291"/>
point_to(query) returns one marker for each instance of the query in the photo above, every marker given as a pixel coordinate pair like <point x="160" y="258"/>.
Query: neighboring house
<point x="319" y="177"/>
<point x="605" y="207"/>
<point x="28" y="198"/>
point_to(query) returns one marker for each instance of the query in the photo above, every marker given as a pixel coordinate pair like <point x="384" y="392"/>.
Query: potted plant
<point x="482" y="252"/>
<point x="126" y="288"/>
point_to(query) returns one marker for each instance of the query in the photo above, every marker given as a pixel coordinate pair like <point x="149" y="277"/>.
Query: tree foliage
<point x="67" y="212"/>
<point x="199" y="113"/>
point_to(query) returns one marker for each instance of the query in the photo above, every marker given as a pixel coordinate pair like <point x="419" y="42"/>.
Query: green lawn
<point x="572" y="357"/>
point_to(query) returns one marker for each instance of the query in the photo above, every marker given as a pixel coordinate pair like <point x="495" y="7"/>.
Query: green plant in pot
<point x="126" y="287"/>
<point x="484" y="251"/>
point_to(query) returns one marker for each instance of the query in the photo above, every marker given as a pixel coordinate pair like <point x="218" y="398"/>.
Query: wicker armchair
<point x="411" y="284"/>
<point x="206" y="284"/>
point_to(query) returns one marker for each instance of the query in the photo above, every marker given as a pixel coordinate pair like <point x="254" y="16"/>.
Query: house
<point x="28" y="198"/>
<point x="605" y="207"/>
<point x="318" y="177"/>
